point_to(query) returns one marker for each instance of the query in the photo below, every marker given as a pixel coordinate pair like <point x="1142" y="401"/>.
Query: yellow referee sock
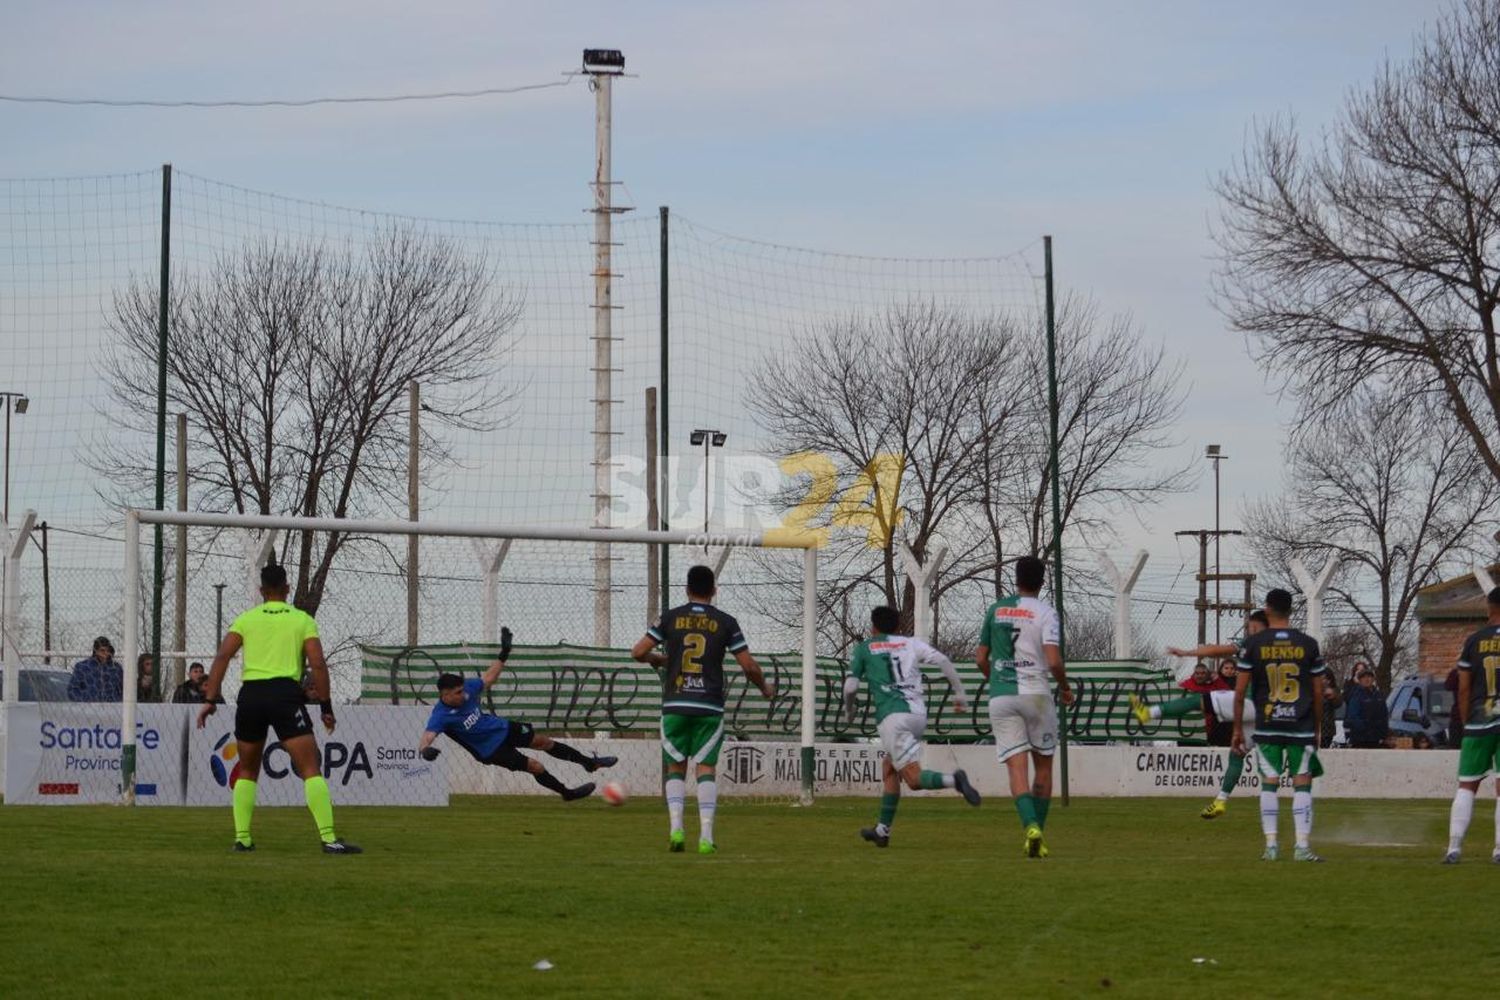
<point x="320" y="804"/>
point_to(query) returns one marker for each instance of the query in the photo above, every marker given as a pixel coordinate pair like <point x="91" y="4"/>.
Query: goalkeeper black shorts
<point x="274" y="704"/>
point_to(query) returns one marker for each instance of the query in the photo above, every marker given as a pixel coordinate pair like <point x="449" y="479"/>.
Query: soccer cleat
<point x="964" y="788"/>
<point x="340" y="847"/>
<point x="707" y="847"/>
<point x="1451" y="858"/>
<point x="1271" y="853"/>
<point x="1139" y="709"/>
<point x="583" y="791"/>
<point x="240" y="848"/>
<point x="1305" y="854"/>
<point x="601" y="761"/>
<point x="676" y="841"/>
<point x="875" y="837"/>
<point x="1034" y="846"/>
<point x="1496" y="856"/>
<point x="1215" y="809"/>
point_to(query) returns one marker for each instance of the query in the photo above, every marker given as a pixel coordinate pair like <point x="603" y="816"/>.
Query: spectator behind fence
<point x="145" y="678"/>
<point x="1203" y="680"/>
<point x="98" y="678"/>
<point x="190" y="691"/>
<point x="1366" y="723"/>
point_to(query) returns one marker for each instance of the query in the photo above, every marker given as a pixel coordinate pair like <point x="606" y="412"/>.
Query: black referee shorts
<point x="273" y="704"/>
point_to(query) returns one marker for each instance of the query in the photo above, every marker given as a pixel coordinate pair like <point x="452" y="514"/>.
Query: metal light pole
<point x="12" y="401"/>
<point x="707" y="438"/>
<point x="1215" y="455"/>
<point x="218" y="612"/>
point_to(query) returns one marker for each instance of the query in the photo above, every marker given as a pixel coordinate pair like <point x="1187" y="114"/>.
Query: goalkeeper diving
<point x="496" y="740"/>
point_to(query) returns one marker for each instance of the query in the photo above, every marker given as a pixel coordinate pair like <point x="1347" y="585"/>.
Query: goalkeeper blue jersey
<point x="469" y="725"/>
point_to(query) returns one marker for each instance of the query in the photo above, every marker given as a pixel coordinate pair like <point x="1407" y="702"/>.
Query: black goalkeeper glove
<point x="505" y="638"/>
<point x="430" y="753"/>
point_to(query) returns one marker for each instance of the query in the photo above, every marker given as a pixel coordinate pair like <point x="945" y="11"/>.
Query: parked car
<point x="40" y="684"/>
<point x="1421" y="705"/>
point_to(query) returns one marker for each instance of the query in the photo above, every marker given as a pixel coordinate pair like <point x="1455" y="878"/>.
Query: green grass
<point x="462" y="902"/>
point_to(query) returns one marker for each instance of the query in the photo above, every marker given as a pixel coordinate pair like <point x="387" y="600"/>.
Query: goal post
<point x="264" y="525"/>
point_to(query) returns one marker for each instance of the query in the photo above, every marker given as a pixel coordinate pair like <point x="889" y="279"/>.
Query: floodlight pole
<point x="602" y="66"/>
<point x="1057" y="553"/>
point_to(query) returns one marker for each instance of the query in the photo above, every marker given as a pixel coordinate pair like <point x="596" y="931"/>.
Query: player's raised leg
<point x="562" y="751"/>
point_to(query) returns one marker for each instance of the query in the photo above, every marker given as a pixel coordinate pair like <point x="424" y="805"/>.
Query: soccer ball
<point x="614" y="793"/>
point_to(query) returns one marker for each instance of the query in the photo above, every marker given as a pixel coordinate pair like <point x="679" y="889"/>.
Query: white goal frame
<point x="780" y="538"/>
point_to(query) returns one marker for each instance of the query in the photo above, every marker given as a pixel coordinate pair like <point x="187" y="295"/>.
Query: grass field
<point x="463" y="902"/>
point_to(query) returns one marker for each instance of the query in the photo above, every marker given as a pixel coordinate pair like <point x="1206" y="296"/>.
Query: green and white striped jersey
<point x="891" y="665"/>
<point x="1014" y="631"/>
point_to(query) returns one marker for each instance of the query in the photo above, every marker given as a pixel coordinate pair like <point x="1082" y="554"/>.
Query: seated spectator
<point x="190" y="691"/>
<point x="1203" y="680"/>
<point x="98" y="678"/>
<point x="145" y="677"/>
<point x="1366" y="722"/>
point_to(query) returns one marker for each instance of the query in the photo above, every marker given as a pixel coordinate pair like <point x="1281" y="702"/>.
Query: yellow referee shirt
<point x="273" y="634"/>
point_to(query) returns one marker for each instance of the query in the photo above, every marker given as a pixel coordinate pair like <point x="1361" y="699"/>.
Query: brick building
<point x="1447" y="613"/>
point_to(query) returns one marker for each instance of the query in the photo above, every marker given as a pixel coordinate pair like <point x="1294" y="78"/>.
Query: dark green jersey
<point x="1282" y="663"/>
<point x="1481" y="661"/>
<point x="696" y="637"/>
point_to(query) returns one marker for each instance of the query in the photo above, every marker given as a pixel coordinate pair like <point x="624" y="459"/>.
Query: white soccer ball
<point x="614" y="793"/>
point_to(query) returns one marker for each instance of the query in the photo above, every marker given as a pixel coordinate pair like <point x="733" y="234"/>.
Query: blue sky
<point x="882" y="128"/>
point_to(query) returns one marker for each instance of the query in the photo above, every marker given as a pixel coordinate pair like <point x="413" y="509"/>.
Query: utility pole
<point x="413" y="455"/>
<point x="1203" y="605"/>
<point x="1215" y="455"/>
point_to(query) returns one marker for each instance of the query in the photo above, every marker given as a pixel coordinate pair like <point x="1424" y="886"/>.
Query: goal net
<point x="475" y="580"/>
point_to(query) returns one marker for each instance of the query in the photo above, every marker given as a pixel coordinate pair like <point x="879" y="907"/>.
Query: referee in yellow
<point x="275" y="637"/>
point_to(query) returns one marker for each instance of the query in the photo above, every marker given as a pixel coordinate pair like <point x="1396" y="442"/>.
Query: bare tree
<point x="292" y="361"/>
<point x="1375" y="254"/>
<point x="1391" y="491"/>
<point x="912" y="384"/>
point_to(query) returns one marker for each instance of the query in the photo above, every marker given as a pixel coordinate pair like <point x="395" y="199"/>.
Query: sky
<point x="910" y="130"/>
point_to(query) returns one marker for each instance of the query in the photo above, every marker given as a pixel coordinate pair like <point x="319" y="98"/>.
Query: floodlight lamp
<point x="21" y="404"/>
<point x="1212" y="451"/>
<point x="720" y="438"/>
<point x="697" y="437"/>
<point x="603" y="61"/>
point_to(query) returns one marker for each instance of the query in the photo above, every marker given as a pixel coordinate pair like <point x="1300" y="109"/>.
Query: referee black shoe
<point x="601" y="761"/>
<point x="341" y="847"/>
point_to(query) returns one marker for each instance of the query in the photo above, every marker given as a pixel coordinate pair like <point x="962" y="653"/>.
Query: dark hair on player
<point x="1259" y="617"/>
<point x="701" y="581"/>
<point x="1031" y="573"/>
<point x="273" y="576"/>
<point x="1494" y="598"/>
<point x="1279" y="601"/>
<point x="447" y="682"/>
<point x="885" y="619"/>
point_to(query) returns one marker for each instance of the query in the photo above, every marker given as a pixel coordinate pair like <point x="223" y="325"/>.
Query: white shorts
<point x="1223" y="705"/>
<point x="1023" y="722"/>
<point x="901" y="735"/>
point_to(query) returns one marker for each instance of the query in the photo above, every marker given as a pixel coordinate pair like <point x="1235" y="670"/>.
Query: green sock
<point x="888" y="803"/>
<point x="1232" y="773"/>
<point x="1026" y="806"/>
<point x="1042" y="805"/>
<point x="320" y="803"/>
<point x="930" y="779"/>
<point x="244" y="808"/>
<point x="1178" y="708"/>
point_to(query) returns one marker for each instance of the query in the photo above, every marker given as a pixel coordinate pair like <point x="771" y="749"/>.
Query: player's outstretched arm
<point x="753" y="673"/>
<point x="497" y="667"/>
<point x="851" y="688"/>
<point x="425" y="747"/>
<point x="644" y="651"/>
<point x="215" y="681"/>
<point x="1220" y="649"/>
<point x="928" y="654"/>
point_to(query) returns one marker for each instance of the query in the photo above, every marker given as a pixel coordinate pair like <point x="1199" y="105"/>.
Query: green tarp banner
<point x="581" y="688"/>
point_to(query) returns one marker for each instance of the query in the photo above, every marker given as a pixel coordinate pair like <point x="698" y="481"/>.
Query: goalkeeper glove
<point x="430" y="753"/>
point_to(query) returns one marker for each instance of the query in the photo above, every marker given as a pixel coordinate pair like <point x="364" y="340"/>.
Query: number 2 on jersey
<point x="694" y="645"/>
